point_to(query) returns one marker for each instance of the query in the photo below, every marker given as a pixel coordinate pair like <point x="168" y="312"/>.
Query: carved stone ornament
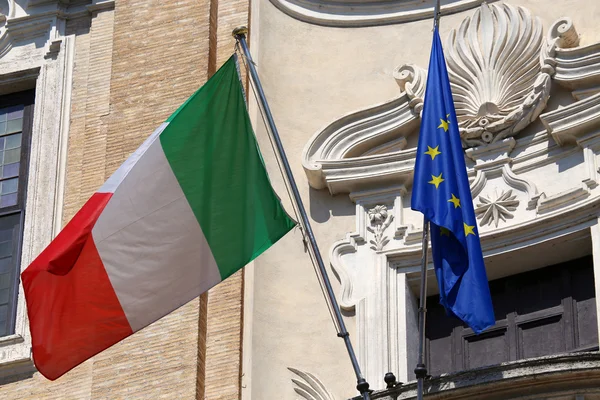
<point x="496" y="207"/>
<point x="380" y="219"/>
<point x="494" y="66"/>
<point x="309" y="386"/>
<point x="529" y="190"/>
<point x="500" y="66"/>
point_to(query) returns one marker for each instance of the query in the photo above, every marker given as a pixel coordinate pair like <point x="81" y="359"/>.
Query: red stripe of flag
<point x="73" y="310"/>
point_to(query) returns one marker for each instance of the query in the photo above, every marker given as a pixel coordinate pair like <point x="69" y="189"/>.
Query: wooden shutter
<point x="547" y="311"/>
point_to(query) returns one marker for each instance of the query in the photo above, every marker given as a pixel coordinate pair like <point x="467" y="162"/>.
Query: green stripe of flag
<point x="211" y="148"/>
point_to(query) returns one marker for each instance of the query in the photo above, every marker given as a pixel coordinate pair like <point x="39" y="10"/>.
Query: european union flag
<point x="441" y="192"/>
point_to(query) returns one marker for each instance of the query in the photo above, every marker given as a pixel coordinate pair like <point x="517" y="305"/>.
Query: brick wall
<point x="134" y="66"/>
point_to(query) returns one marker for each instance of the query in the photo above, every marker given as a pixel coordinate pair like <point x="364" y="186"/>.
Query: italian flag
<point x="189" y="208"/>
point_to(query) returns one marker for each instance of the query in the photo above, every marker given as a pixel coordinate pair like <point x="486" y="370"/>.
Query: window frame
<point x="26" y="98"/>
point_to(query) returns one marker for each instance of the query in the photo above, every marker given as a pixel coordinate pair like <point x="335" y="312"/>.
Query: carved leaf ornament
<point x="309" y="386"/>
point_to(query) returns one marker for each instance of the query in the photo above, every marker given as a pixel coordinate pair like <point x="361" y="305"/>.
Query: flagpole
<point x="421" y="368"/>
<point x="362" y="385"/>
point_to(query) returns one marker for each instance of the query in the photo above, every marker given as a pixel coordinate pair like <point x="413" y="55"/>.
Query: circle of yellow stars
<point x="433" y="152"/>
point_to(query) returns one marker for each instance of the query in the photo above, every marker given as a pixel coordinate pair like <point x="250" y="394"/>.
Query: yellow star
<point x="444" y="123"/>
<point x="469" y="229"/>
<point x="455" y="200"/>
<point x="444" y="232"/>
<point x="436" y="180"/>
<point x="433" y="152"/>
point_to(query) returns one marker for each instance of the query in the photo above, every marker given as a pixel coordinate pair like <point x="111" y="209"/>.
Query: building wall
<point x="133" y="66"/>
<point x="313" y="75"/>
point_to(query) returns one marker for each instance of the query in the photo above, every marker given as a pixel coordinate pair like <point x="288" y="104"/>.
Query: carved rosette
<point x="497" y="207"/>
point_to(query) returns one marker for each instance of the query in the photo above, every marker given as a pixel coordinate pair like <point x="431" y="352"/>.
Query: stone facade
<point x="345" y="81"/>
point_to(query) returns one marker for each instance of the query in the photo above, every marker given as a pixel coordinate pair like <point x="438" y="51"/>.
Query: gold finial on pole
<point x="240" y="30"/>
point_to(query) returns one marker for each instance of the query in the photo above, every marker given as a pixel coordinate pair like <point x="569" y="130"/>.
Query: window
<point x="543" y="312"/>
<point x="16" y="112"/>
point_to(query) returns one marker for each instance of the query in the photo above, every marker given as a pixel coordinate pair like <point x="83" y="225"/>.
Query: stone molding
<point x="367" y="147"/>
<point x="348" y="13"/>
<point x="39" y="21"/>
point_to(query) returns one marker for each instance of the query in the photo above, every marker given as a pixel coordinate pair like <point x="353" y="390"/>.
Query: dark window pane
<point x="12" y="156"/>
<point x="5" y="264"/>
<point x="9" y="186"/>
<point x="4" y="281"/>
<point x="16" y="116"/>
<point x="14" y="112"/>
<point x="15" y="125"/>
<point x="8" y="200"/>
<point x="4" y="296"/>
<point x="5" y="249"/>
<point x="10" y="170"/>
<point x="13" y="141"/>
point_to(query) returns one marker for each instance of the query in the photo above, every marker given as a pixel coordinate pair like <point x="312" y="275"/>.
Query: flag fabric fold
<point x="186" y="210"/>
<point x="441" y="192"/>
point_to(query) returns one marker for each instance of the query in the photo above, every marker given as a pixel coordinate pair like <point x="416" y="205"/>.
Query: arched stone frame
<point x="345" y="13"/>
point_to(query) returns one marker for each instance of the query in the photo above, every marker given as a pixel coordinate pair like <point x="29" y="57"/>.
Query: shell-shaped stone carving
<point x="495" y="72"/>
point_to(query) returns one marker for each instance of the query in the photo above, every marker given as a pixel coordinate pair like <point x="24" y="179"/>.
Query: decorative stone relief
<point x="497" y="82"/>
<point x="496" y="208"/>
<point x="309" y="386"/>
<point x="380" y="220"/>
<point x="367" y="12"/>
<point x="501" y="67"/>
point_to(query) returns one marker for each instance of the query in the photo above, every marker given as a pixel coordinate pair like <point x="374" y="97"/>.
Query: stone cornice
<point x="582" y="214"/>
<point x="567" y="124"/>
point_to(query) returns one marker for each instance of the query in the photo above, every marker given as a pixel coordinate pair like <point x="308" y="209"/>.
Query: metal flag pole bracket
<point x="362" y="385"/>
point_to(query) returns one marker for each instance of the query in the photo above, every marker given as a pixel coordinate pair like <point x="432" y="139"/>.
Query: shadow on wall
<point x="323" y="205"/>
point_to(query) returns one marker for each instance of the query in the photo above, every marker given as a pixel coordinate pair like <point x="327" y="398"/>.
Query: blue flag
<point x="441" y="192"/>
